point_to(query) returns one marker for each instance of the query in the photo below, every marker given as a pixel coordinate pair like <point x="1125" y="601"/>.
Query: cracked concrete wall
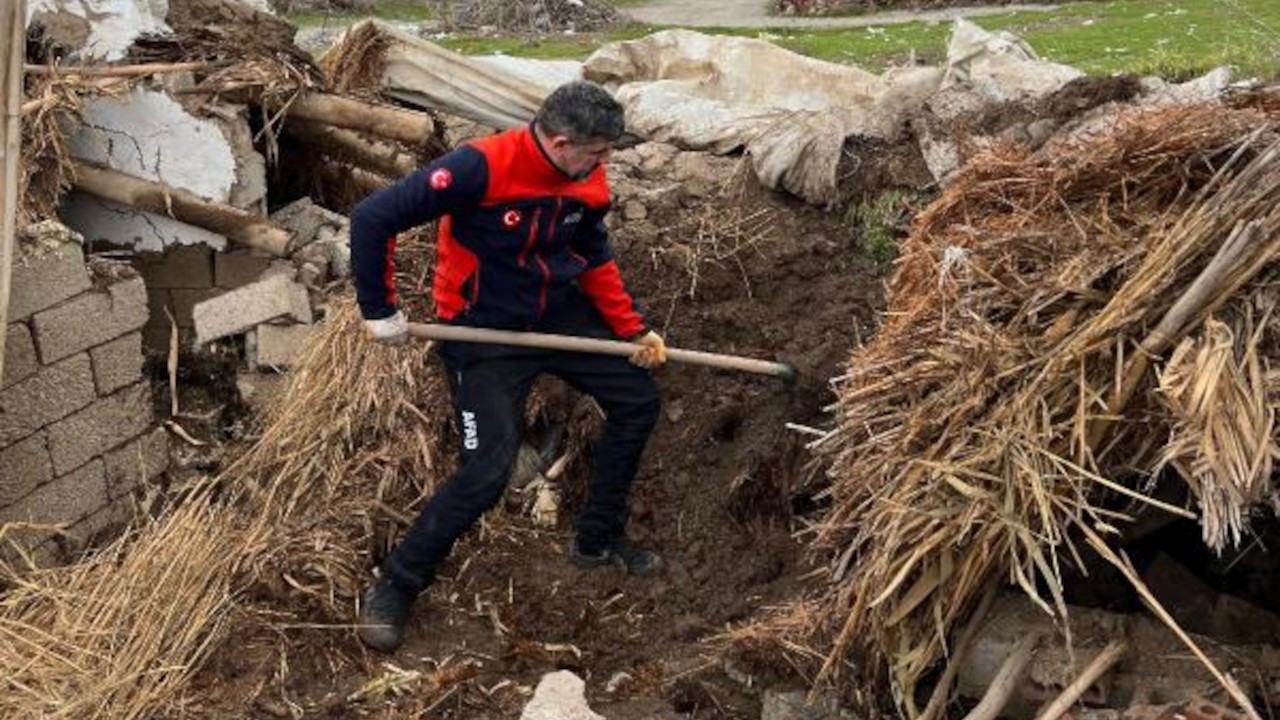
<point x="148" y="134"/>
<point x="99" y="29"/>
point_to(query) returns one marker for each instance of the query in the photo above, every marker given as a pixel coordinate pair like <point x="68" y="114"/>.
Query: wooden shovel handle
<point x="456" y="333"/>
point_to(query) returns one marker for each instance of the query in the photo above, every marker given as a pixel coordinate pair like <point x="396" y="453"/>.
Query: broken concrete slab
<point x="149" y="135"/>
<point x="90" y="319"/>
<point x="242" y="310"/>
<point x="560" y="695"/>
<point x="98" y="29"/>
<point x="105" y="221"/>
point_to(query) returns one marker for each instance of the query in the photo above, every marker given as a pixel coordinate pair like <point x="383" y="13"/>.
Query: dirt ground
<point x="720" y="265"/>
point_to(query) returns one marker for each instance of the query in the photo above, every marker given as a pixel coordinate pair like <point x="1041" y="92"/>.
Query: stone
<point x="303" y="218"/>
<point x="90" y="319"/>
<point x="241" y="310"/>
<point x="312" y="275"/>
<point x="795" y="706"/>
<point x="634" y="210"/>
<point x="47" y="270"/>
<point x="51" y="394"/>
<point x="103" y="425"/>
<point x="24" y="466"/>
<point x="560" y="695"/>
<point x="65" y="499"/>
<point x="188" y="266"/>
<point x="19" y="354"/>
<point x="280" y="267"/>
<point x="136" y="462"/>
<point x="117" y="363"/>
<point x="238" y="268"/>
<point x="280" y="345"/>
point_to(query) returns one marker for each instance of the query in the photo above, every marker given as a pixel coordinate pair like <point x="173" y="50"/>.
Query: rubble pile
<point x="539" y="16"/>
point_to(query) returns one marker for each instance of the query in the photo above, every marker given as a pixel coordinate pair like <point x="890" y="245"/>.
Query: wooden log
<point x="13" y="37"/>
<point x="121" y="70"/>
<point x="415" y="129"/>
<point x="379" y="157"/>
<point x="238" y="226"/>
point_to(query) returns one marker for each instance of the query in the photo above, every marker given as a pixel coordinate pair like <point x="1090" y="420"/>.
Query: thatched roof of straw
<point x="1008" y="402"/>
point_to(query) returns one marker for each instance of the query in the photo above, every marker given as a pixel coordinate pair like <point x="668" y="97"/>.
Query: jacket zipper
<point x="546" y="271"/>
<point x="532" y="239"/>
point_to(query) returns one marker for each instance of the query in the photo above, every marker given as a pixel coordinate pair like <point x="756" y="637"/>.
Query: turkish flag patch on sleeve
<point x="440" y="179"/>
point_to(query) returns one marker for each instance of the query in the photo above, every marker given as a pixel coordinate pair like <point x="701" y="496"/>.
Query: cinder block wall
<point x="77" y="429"/>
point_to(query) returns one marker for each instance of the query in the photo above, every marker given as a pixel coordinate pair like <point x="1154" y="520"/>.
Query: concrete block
<point x="280" y="345"/>
<point x="187" y="266"/>
<point x="136" y="462"/>
<point x="65" y="499"/>
<point x="103" y="425"/>
<point x="241" y="310"/>
<point x="90" y="319"/>
<point x="46" y="271"/>
<point x="19" y="354"/>
<point x="117" y="363"/>
<point x="51" y="394"/>
<point x="238" y="268"/>
<point x="183" y="304"/>
<point x="24" y="466"/>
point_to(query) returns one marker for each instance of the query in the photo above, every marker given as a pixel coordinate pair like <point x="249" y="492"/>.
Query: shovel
<point x="572" y="343"/>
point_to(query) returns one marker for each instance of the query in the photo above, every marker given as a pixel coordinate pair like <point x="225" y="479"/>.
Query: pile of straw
<point x="1021" y="391"/>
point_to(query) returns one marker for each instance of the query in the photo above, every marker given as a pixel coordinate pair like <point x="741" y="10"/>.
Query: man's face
<point x="579" y="160"/>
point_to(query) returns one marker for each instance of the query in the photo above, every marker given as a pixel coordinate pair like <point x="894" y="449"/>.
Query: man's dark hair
<point x="582" y="111"/>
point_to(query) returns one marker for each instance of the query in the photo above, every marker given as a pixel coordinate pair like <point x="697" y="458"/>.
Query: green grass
<point x="391" y="10"/>
<point x="1173" y="38"/>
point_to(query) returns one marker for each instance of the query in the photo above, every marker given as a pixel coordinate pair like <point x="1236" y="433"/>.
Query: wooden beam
<point x="380" y="157"/>
<point x="415" y="129"/>
<point x="238" y="226"/>
<point x="13" y="46"/>
<point x="122" y="70"/>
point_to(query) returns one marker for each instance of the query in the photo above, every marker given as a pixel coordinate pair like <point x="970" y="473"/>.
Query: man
<point x="522" y="246"/>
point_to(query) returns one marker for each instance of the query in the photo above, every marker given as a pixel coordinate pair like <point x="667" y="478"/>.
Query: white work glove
<point x="654" y="352"/>
<point x="390" y="330"/>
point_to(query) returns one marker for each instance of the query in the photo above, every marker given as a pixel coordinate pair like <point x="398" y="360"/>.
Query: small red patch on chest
<point x="511" y="219"/>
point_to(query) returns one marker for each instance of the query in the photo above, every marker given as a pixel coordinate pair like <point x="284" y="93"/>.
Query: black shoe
<point x="384" y="613"/>
<point x="618" y="552"/>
